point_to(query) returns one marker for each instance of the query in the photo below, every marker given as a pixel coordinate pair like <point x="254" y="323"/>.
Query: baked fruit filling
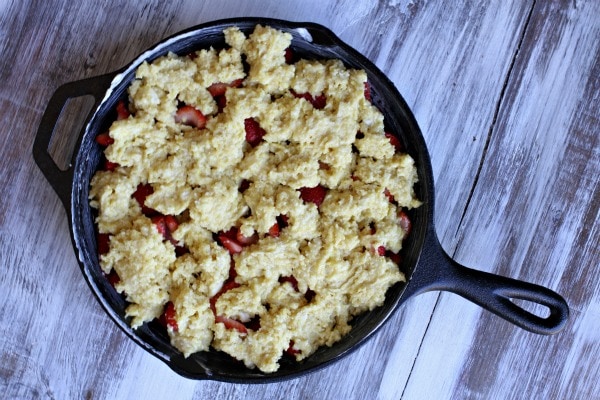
<point x="250" y="200"/>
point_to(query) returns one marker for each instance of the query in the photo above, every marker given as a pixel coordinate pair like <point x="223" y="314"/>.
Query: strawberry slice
<point x="246" y="241"/>
<point x="254" y="133"/>
<point x="309" y="295"/>
<point x="291" y="350"/>
<point x="381" y="250"/>
<point x="104" y="139"/>
<point x="110" y="166"/>
<point x="367" y="91"/>
<point x="314" y="195"/>
<point x="318" y="102"/>
<point x="405" y="223"/>
<point x="230" y="244"/>
<point x="122" y="111"/>
<point x="190" y="116"/>
<point x="394" y="141"/>
<point x="231" y="323"/>
<point x="168" y="317"/>
<point x="171" y="223"/>
<point x="140" y="194"/>
<point x="289" y="55"/>
<point x="103" y="243"/>
<point x="274" y="231"/>
<point x="219" y="88"/>
<point x="166" y="225"/>
<point x="389" y="195"/>
<point x="113" y="278"/>
<point x="161" y="226"/>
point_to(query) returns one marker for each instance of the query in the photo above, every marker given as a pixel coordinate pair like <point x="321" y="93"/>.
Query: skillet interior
<point x="213" y="364"/>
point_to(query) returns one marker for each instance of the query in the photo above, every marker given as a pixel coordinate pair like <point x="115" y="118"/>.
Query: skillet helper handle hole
<point x="529" y="306"/>
<point x="61" y="130"/>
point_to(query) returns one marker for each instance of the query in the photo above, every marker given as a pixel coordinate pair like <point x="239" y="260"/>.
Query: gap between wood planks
<point x="478" y="173"/>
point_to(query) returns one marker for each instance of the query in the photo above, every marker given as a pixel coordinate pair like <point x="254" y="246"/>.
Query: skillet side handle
<point x="495" y="293"/>
<point x="61" y="180"/>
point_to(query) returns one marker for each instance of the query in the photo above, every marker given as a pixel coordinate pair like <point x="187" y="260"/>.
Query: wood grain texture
<point x="507" y="95"/>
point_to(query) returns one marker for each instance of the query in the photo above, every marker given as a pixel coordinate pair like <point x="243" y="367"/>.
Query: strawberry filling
<point x="317" y="102"/>
<point x="404" y="221"/>
<point x="314" y="195"/>
<point x="168" y="317"/>
<point x="166" y="225"/>
<point x="190" y="116"/>
<point x="254" y="133"/>
<point x="291" y="350"/>
<point x="394" y="141"/>
<point x="140" y="194"/>
<point x="104" y="139"/>
<point x="122" y="111"/>
<point x="367" y="91"/>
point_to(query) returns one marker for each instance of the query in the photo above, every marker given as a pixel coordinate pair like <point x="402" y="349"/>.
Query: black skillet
<point x="425" y="263"/>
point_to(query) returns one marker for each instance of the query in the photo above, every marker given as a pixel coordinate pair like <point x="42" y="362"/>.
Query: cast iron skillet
<point x="425" y="263"/>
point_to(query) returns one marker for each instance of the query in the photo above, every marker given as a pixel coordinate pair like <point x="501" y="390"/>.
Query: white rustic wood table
<point x="507" y="94"/>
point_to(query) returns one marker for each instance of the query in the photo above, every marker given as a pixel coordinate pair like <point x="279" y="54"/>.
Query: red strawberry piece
<point x="314" y="195"/>
<point x="190" y="116"/>
<point x="388" y="195"/>
<point x="109" y="165"/>
<point x="103" y="243"/>
<point x="394" y="141"/>
<point x="405" y="223"/>
<point x="168" y="317"/>
<point x="291" y="350"/>
<point x="293" y="281"/>
<point x="172" y="223"/>
<point x="381" y="250"/>
<point x="289" y="56"/>
<point x="231" y="323"/>
<point x="113" y="278"/>
<point x="230" y="244"/>
<point x="161" y="225"/>
<point x="122" y="111"/>
<point x="246" y="241"/>
<point x="140" y="194"/>
<point x="236" y="83"/>
<point x="309" y="295"/>
<point x="274" y="231"/>
<point x="282" y="222"/>
<point x="219" y="88"/>
<point x="319" y="101"/>
<point x="104" y="139"/>
<point x="254" y="133"/>
<point x="368" y="91"/>
<point x="221" y="102"/>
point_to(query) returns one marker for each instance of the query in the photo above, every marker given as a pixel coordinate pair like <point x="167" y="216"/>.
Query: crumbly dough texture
<point x="196" y="175"/>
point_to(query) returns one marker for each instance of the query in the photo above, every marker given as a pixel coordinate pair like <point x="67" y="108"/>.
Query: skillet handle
<point x="59" y="179"/>
<point x="495" y="293"/>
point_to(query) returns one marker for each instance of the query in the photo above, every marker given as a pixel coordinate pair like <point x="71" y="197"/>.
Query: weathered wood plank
<point x="534" y="216"/>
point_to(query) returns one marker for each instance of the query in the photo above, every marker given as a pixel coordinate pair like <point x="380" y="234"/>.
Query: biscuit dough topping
<point x="251" y="203"/>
